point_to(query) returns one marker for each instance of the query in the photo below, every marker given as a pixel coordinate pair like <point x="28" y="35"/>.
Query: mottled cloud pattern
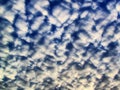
<point x="59" y="45"/>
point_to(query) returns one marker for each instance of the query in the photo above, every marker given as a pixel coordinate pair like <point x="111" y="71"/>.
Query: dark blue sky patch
<point x="109" y="53"/>
<point x="37" y="69"/>
<point x="20" y="88"/>
<point x="24" y="42"/>
<point x="117" y="28"/>
<point x="27" y="2"/>
<point x="16" y="17"/>
<point x="33" y="34"/>
<point x="76" y="65"/>
<point x="75" y="1"/>
<point x="46" y="20"/>
<point x="38" y="14"/>
<point x="50" y="68"/>
<point x="61" y="88"/>
<point x="3" y="2"/>
<point x="10" y="57"/>
<point x="103" y="5"/>
<point x="94" y="28"/>
<point x="30" y="22"/>
<point x="1" y="36"/>
<point x="11" y="45"/>
<point x="53" y="28"/>
<point x="5" y="85"/>
<point x="23" y="58"/>
<point x="104" y="78"/>
<point x="41" y="41"/>
<point x="14" y="34"/>
<point x="112" y="45"/>
<point x="69" y="46"/>
<point x="31" y="45"/>
<point x="88" y="8"/>
<point x="67" y="53"/>
<point x="27" y="13"/>
<point x="105" y="54"/>
<point x="118" y="16"/>
<point x="3" y="23"/>
<point x="5" y="79"/>
<point x="59" y="63"/>
<point x="57" y="40"/>
<point x="75" y="36"/>
<point x="98" y="21"/>
<point x="91" y="48"/>
<point x="117" y="77"/>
